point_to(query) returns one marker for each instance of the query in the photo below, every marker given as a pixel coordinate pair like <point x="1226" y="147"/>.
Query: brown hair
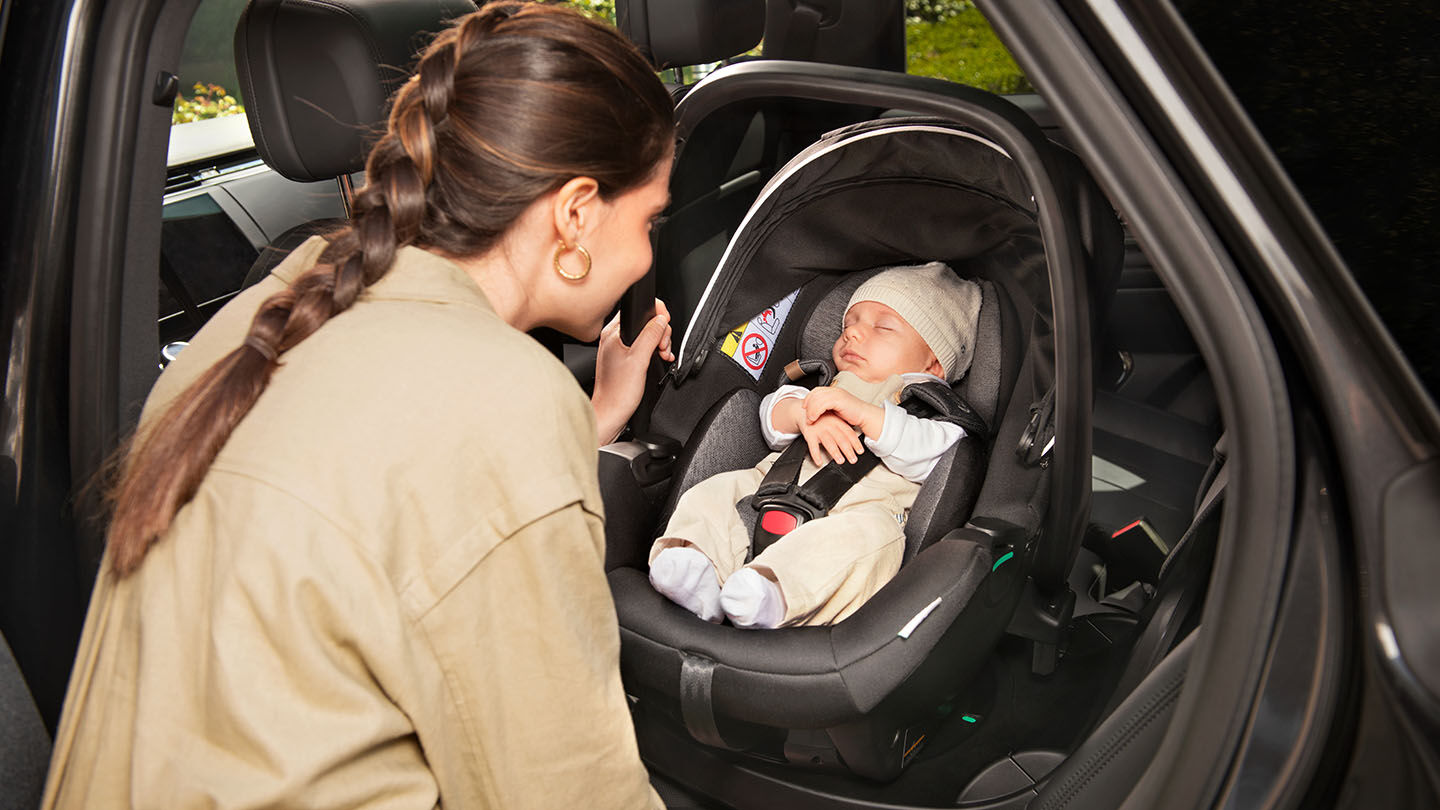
<point x="505" y="106"/>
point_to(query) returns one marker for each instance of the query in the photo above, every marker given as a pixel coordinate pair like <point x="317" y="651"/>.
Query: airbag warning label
<point x="749" y="343"/>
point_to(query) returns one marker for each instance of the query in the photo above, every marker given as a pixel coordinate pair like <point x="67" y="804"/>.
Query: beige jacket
<point x="387" y="592"/>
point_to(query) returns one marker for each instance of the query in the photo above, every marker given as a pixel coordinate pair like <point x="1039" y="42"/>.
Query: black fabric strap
<point x="938" y="401"/>
<point x="786" y="469"/>
<point x="697" y="709"/>
<point x="829" y="484"/>
<point x="779" y="489"/>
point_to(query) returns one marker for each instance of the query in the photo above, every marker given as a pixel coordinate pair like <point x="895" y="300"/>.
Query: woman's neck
<point x="497" y="278"/>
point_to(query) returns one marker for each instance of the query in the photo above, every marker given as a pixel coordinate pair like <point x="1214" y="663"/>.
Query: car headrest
<point x="867" y="34"/>
<point x="317" y="75"/>
<point x="676" y="33"/>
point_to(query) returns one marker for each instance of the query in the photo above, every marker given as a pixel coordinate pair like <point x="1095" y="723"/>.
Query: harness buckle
<point x="778" y="515"/>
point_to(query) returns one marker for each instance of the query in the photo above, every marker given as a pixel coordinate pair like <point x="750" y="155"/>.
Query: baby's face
<point x="877" y="343"/>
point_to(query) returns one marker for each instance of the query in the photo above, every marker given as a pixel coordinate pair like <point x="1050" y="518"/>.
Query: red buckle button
<point x="777" y="522"/>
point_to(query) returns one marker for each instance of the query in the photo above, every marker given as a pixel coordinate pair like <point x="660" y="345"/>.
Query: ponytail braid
<point x="168" y="464"/>
<point x="506" y="105"/>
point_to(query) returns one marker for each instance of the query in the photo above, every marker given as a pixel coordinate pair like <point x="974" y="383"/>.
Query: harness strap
<point x="780" y="504"/>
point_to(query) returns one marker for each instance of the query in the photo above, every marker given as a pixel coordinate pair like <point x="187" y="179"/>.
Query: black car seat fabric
<point x="678" y="33"/>
<point x="24" y="744"/>
<point x="317" y="76"/>
<point x="868" y="34"/>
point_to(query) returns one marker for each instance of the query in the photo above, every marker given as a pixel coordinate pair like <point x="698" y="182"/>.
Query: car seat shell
<point x="864" y="679"/>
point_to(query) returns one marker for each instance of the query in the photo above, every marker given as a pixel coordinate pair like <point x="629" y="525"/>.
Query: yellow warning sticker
<point x="732" y="340"/>
<point x="749" y="343"/>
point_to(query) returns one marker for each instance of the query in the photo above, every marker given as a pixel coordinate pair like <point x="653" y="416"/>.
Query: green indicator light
<point x="968" y="718"/>
<point x="1002" y="560"/>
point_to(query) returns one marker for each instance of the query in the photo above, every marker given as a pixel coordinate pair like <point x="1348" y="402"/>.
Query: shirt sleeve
<point x="911" y="446"/>
<point x="773" y="437"/>
<point x="529" y="645"/>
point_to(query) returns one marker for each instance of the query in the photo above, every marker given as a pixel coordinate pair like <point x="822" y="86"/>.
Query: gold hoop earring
<point x="561" y="250"/>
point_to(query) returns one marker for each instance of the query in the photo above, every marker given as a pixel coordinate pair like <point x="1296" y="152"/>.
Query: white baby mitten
<point x="687" y="578"/>
<point x="752" y="601"/>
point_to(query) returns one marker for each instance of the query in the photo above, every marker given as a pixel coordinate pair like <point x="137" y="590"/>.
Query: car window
<point x="950" y="39"/>
<point x="1347" y="102"/>
<point x="203" y="261"/>
<point x="209" y="115"/>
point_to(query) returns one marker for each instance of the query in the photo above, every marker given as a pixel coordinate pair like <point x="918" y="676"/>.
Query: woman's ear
<point x="575" y="206"/>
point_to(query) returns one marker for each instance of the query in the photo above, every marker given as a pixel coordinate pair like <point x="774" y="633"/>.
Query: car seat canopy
<point x="887" y="192"/>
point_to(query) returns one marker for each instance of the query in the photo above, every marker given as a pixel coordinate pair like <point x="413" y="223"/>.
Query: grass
<point x="963" y="49"/>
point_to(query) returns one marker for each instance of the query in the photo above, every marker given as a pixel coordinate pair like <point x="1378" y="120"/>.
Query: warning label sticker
<point x="749" y="343"/>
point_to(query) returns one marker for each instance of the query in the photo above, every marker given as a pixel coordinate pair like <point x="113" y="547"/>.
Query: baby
<point x="904" y="325"/>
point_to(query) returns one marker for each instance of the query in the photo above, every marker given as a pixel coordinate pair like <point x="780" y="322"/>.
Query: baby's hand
<point x="853" y="410"/>
<point x="831" y="437"/>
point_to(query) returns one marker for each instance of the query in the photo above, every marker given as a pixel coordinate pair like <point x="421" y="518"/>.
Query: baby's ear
<point x="935" y="368"/>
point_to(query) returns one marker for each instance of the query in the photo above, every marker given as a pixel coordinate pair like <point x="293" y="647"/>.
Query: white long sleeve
<point x="911" y="446"/>
<point x="776" y="439"/>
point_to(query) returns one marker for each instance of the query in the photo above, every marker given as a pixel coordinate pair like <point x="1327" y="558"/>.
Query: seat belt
<point x="781" y="504"/>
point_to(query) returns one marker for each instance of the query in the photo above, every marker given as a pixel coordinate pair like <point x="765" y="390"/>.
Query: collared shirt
<point x="387" y="591"/>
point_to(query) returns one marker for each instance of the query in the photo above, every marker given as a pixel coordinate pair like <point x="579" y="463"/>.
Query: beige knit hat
<point x="940" y="305"/>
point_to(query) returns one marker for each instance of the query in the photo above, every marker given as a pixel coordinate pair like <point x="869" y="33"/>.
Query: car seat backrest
<point x="677" y="33"/>
<point x="859" y="33"/>
<point x="317" y="79"/>
<point x="318" y="76"/>
<point x="24" y="744"/>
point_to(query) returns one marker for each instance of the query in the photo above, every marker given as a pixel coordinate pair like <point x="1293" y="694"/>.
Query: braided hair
<point x="505" y="106"/>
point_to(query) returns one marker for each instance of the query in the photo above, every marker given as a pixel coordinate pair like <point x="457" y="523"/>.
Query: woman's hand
<point x="828" y="399"/>
<point x="620" y="370"/>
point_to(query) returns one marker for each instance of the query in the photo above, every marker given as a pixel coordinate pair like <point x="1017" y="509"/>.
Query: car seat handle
<point x="637" y="307"/>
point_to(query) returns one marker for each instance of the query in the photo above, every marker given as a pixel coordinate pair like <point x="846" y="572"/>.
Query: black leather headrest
<point x="870" y="33"/>
<point x="317" y="75"/>
<point x="675" y="33"/>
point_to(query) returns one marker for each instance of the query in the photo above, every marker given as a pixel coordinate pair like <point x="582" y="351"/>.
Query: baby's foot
<point x="752" y="601"/>
<point x="687" y="578"/>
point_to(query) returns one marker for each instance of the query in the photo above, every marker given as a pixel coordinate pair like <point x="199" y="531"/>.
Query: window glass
<point x="209" y="112"/>
<point x="950" y="39"/>
<point x="1345" y="94"/>
<point x="203" y="261"/>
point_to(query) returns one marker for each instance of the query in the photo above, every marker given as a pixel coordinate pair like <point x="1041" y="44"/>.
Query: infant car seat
<point x="860" y="695"/>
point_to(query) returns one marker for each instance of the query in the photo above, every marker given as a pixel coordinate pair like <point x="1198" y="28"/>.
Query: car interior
<point x="1089" y="613"/>
<point x="1030" y="648"/>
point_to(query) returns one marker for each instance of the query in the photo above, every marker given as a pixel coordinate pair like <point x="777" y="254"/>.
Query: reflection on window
<point x="203" y="262"/>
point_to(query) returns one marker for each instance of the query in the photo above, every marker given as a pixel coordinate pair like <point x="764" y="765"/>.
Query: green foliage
<point x="604" y="9"/>
<point x="935" y="10"/>
<point x="961" y="47"/>
<point x="208" y="101"/>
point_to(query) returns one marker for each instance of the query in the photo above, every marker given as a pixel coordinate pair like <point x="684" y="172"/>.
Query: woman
<point x="356" y="554"/>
